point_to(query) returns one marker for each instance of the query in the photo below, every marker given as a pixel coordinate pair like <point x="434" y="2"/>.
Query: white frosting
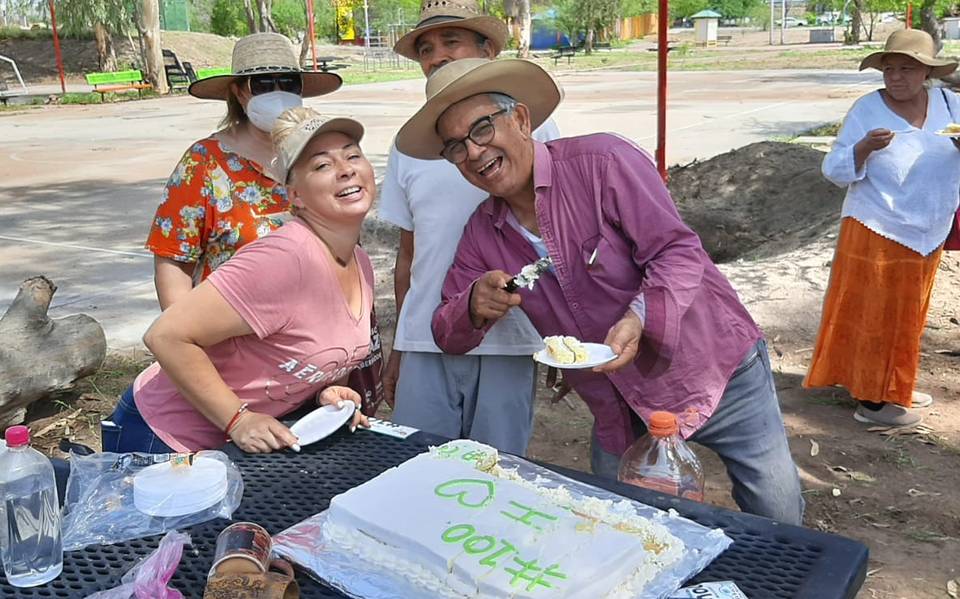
<point x="453" y="522"/>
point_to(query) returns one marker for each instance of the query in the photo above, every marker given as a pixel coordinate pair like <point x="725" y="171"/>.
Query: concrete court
<point x="80" y="183"/>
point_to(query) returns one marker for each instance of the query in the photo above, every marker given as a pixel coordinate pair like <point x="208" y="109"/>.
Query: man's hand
<point x="336" y="394"/>
<point x="624" y="339"/>
<point x="489" y="300"/>
<point x="261" y="433"/>
<point x="391" y="374"/>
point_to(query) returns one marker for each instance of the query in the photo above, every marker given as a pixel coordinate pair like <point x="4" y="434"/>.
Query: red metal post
<point x="311" y="33"/>
<point x="56" y="47"/>
<point x="662" y="49"/>
<point x="909" y="15"/>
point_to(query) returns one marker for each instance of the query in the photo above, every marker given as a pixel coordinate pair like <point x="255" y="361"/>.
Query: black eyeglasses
<point x="481" y="134"/>
<point x="267" y="82"/>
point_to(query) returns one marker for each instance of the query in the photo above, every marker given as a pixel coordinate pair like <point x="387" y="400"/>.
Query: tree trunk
<point x="266" y="15"/>
<point x="928" y="19"/>
<point x="856" y="24"/>
<point x="106" y="57"/>
<point x="148" y="25"/>
<point x="40" y="357"/>
<point x="588" y="42"/>
<point x="253" y="23"/>
<point x="523" y="45"/>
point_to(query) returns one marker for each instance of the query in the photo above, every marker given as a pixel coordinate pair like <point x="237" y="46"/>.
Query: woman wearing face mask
<point x="281" y="323"/>
<point x="222" y="195"/>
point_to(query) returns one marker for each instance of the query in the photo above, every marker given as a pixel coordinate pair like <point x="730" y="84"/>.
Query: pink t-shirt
<point x="306" y="338"/>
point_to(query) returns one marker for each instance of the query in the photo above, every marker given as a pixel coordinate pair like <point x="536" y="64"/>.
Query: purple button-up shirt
<point x="602" y="194"/>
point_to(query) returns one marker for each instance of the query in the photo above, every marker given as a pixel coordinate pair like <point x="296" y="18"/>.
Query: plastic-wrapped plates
<point x="166" y="491"/>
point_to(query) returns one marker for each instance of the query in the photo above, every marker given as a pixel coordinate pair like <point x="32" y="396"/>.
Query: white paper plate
<point x="597" y="354"/>
<point x="165" y="491"/>
<point x="322" y="422"/>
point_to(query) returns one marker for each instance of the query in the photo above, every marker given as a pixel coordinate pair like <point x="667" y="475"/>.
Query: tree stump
<point x="40" y="356"/>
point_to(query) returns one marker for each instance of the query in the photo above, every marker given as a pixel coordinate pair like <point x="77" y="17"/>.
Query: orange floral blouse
<point x="214" y="203"/>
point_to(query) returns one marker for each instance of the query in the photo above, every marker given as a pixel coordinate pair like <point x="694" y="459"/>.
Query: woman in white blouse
<point x="902" y="181"/>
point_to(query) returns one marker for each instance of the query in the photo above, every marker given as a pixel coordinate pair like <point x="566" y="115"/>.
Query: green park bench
<point x="104" y="83"/>
<point x="212" y="72"/>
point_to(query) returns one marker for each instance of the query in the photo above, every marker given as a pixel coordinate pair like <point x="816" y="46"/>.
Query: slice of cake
<point x="565" y="349"/>
<point x="455" y="524"/>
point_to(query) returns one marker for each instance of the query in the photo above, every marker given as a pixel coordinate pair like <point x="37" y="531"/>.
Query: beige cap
<point x="522" y="80"/>
<point x="289" y="150"/>
<point x="264" y="53"/>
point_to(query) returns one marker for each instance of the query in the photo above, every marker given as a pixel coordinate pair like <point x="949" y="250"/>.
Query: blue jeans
<point x="484" y="398"/>
<point x="126" y="431"/>
<point x="746" y="431"/>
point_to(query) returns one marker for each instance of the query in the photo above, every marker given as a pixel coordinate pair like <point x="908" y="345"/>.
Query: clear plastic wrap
<point x="303" y="544"/>
<point x="101" y="506"/>
<point x="148" y="579"/>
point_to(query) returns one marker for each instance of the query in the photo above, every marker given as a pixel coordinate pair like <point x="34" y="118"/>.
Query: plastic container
<point x="662" y="461"/>
<point x="30" y="545"/>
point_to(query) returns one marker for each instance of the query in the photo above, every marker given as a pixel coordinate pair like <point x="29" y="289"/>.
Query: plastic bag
<point x="148" y="579"/>
<point x="100" y="508"/>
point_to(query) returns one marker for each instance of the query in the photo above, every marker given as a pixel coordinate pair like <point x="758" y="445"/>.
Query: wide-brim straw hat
<point x="916" y="44"/>
<point x="465" y="14"/>
<point x="292" y="146"/>
<point x="261" y="53"/>
<point x="522" y="80"/>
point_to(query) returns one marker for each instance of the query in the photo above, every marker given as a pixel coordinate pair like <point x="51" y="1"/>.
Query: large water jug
<point x="30" y="546"/>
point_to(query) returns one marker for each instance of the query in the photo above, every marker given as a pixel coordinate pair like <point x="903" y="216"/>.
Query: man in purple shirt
<point x="626" y="272"/>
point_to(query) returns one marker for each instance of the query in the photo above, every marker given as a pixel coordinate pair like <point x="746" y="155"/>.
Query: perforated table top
<point x="767" y="560"/>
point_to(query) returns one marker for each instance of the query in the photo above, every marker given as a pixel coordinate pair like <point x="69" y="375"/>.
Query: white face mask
<point x="263" y="110"/>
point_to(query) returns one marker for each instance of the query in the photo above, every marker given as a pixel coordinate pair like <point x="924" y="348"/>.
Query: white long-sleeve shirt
<point x="909" y="191"/>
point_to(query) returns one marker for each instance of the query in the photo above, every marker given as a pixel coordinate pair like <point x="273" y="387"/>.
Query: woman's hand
<point x="336" y="394"/>
<point x="875" y="139"/>
<point x="261" y="433"/>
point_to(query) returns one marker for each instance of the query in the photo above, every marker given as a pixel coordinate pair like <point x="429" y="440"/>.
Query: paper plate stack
<point x="166" y="491"/>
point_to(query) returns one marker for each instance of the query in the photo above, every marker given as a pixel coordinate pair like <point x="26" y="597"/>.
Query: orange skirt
<point x="873" y="317"/>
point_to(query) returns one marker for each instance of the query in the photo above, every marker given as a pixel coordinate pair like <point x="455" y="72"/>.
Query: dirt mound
<point x="761" y="200"/>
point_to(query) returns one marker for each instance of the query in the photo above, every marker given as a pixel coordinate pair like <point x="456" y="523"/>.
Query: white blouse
<point x="909" y="191"/>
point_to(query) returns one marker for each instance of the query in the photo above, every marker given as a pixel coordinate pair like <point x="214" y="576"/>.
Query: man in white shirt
<point x="486" y="395"/>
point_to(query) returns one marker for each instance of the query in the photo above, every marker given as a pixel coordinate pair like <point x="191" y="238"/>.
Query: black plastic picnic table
<point x="768" y="560"/>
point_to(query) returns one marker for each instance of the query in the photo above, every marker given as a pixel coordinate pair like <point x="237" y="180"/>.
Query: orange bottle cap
<point x="663" y="424"/>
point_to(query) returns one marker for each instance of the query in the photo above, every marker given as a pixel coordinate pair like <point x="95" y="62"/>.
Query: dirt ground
<point x="765" y="213"/>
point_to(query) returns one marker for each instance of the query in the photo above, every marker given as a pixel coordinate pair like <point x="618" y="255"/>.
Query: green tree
<point x="681" y="9"/>
<point x="735" y="9"/>
<point x="227" y="18"/>
<point x="290" y="17"/>
<point x="635" y="8"/>
<point x="105" y="18"/>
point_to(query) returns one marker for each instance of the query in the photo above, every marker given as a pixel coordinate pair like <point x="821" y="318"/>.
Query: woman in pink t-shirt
<point x="281" y="323"/>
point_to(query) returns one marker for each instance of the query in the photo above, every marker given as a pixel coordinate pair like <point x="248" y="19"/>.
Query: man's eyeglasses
<point x="481" y="134"/>
<point x="267" y="82"/>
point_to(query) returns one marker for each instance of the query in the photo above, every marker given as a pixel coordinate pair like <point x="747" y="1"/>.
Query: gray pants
<point x="747" y="432"/>
<point x="484" y="398"/>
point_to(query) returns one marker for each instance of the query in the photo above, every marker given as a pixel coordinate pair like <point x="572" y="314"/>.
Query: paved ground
<point x="80" y="183"/>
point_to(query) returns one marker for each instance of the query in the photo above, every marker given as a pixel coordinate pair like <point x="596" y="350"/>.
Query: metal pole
<point x="771" y="22"/>
<point x="56" y="48"/>
<point x="366" y="25"/>
<point x="910" y="15"/>
<point x="783" y="20"/>
<point x="662" y="48"/>
<point x="312" y="33"/>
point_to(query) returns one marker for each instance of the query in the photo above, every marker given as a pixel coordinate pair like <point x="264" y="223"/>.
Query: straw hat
<point x="261" y="53"/>
<point x="916" y="44"/>
<point x="465" y="14"/>
<point x="522" y="80"/>
<point x="292" y="146"/>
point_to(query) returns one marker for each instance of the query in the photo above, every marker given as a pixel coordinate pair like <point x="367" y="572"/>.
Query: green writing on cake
<point x="527" y="516"/>
<point x="457" y="533"/>
<point x="469" y="492"/>
<point x="448" y="450"/>
<point x="532" y="576"/>
<point x="479" y="544"/>
<point x="491" y="560"/>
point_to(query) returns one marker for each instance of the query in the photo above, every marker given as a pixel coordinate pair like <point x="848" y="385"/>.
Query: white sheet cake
<point x="454" y="523"/>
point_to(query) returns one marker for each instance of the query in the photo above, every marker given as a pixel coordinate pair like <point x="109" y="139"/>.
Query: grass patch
<point x="115" y="375"/>
<point x="355" y="75"/>
<point x="827" y="130"/>
<point x="94" y="97"/>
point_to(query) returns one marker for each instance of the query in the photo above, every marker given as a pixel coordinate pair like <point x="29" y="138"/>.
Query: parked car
<point x="791" y="22"/>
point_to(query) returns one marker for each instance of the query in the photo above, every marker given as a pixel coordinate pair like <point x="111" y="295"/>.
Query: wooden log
<point x="40" y="356"/>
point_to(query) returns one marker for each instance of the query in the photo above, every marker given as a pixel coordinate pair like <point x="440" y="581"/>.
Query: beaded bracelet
<point x="236" y="417"/>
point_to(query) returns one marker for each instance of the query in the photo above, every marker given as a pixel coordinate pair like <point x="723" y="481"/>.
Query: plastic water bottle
<point x="662" y="461"/>
<point x="30" y="544"/>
